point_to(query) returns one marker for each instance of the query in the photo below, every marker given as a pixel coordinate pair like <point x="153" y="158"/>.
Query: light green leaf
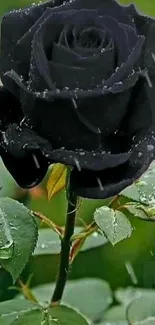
<point x="7" y="183"/>
<point x="141" y="211"/>
<point x="113" y="323"/>
<point x="127" y="295"/>
<point x="49" y="242"/>
<point x="21" y="227"/>
<point x="31" y="315"/>
<point x="10" y="310"/>
<point x="132" y="192"/>
<point x="93" y="241"/>
<point x="144" y="189"/>
<point x="116" y="313"/>
<point x="148" y="321"/>
<point x="90" y="296"/>
<point x="114" y="224"/>
<point x="141" y="311"/>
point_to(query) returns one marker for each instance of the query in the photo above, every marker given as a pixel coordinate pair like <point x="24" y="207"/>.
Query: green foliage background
<point x="106" y="262"/>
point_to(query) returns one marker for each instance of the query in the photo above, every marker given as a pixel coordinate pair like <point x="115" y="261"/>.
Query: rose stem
<point x="65" y="248"/>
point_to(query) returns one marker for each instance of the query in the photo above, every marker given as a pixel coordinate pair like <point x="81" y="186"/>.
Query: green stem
<point x="65" y="249"/>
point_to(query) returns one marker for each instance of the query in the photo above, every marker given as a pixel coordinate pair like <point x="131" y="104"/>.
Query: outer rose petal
<point x="22" y="156"/>
<point x="142" y="23"/>
<point x="111" y="181"/>
<point x="10" y="108"/>
<point x="14" y="25"/>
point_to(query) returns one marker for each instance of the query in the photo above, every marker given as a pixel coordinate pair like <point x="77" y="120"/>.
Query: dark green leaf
<point x="6" y="239"/>
<point x="63" y="315"/>
<point x="10" y="310"/>
<point x="114" y="224"/>
<point x="21" y="227"/>
<point x="33" y="317"/>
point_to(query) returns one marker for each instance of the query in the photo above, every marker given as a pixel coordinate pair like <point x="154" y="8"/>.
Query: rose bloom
<point x="78" y="88"/>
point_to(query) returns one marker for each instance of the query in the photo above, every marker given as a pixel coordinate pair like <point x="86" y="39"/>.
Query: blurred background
<point x="106" y="262"/>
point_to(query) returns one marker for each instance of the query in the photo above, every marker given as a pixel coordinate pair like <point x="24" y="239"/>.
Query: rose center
<point x="89" y="38"/>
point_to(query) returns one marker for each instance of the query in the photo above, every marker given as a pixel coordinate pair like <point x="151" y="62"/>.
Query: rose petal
<point x="10" y="109"/>
<point x="104" y="7"/>
<point x="132" y="35"/>
<point x="11" y="32"/>
<point x="25" y="170"/>
<point x="81" y="122"/>
<point x="99" y="185"/>
<point x="64" y="123"/>
<point x="126" y="68"/>
<point x="126" y="84"/>
<point x="142" y="23"/>
<point x="73" y="77"/>
<point x="111" y="181"/>
<point x="140" y="116"/>
<point x="42" y="41"/>
<point x="119" y="35"/>
<point x="22" y="52"/>
<point x="61" y="54"/>
<point x="21" y="154"/>
<point x="16" y="85"/>
<point x="24" y="142"/>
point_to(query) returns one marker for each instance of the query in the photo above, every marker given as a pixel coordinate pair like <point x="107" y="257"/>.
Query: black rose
<point x="78" y="88"/>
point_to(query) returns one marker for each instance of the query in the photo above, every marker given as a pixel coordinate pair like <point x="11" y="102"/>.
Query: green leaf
<point x="10" y="310"/>
<point x="148" y="321"/>
<point x="29" y="314"/>
<point x="127" y="295"/>
<point x="142" y="311"/>
<point x="19" y="224"/>
<point x="113" y="323"/>
<point x="114" y="224"/>
<point x="63" y="315"/>
<point x="6" y="240"/>
<point x="49" y="242"/>
<point x="116" y="313"/>
<point x="141" y="211"/>
<point x="144" y="189"/>
<point x="132" y="192"/>
<point x="33" y="317"/>
<point x="90" y="296"/>
<point x="93" y="241"/>
<point x="7" y="183"/>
